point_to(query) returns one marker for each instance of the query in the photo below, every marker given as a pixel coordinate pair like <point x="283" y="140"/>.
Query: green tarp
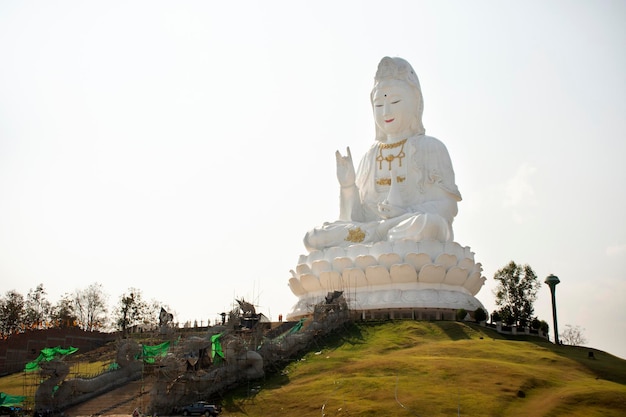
<point x="216" y="347"/>
<point x="47" y="354"/>
<point x="7" y="400"/>
<point x="149" y="353"/>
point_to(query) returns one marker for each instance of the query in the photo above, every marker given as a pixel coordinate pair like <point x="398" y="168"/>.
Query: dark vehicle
<point x="201" y="407"/>
<point x="9" y="411"/>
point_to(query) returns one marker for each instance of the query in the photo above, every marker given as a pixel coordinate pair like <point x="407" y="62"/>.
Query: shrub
<point x="535" y="324"/>
<point x="480" y="315"/>
<point x="507" y="317"/>
<point x="495" y="316"/>
<point x="460" y="314"/>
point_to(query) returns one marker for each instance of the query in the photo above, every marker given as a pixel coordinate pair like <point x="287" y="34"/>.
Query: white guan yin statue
<point x="393" y="246"/>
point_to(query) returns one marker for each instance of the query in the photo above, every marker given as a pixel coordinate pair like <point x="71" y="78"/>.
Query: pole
<point x="552" y="280"/>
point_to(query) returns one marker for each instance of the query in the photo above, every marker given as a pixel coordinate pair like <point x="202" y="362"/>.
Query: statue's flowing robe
<point x="424" y="187"/>
<point x="429" y="178"/>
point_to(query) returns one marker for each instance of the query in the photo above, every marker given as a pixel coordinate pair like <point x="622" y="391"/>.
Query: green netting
<point x="216" y="348"/>
<point x="114" y="366"/>
<point x="149" y="353"/>
<point x="47" y="354"/>
<point x="11" y="400"/>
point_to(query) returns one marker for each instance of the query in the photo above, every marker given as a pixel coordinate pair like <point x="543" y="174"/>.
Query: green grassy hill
<point x="412" y="368"/>
<point x="429" y="369"/>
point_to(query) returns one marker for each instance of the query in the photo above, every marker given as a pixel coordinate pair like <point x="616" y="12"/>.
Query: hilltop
<point x="422" y="368"/>
<point x="443" y="368"/>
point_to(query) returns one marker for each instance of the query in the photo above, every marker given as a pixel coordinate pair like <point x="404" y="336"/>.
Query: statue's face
<point x="395" y="108"/>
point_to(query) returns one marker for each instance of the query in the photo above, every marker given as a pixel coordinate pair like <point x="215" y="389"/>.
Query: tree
<point x="62" y="313"/>
<point x="37" y="308"/>
<point x="131" y="310"/>
<point x="90" y="307"/>
<point x="573" y="335"/>
<point x="11" y="313"/>
<point x="516" y="293"/>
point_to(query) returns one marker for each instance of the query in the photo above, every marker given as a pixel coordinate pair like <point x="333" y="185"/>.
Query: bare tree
<point x="153" y="317"/>
<point x="573" y="335"/>
<point x="62" y="313"/>
<point x="90" y="307"/>
<point x="37" y="308"/>
<point x="11" y="313"/>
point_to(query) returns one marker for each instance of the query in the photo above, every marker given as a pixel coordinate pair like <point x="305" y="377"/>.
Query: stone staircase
<point x="122" y="401"/>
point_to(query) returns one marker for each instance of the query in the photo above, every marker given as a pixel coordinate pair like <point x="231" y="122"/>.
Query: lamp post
<point x="552" y="280"/>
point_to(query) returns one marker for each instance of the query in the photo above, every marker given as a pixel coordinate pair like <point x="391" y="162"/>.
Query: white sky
<point x="185" y="148"/>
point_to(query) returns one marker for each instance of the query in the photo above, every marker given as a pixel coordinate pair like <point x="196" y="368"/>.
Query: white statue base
<point x="386" y="275"/>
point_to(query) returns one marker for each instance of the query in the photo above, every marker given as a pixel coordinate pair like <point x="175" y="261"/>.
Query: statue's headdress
<point x="396" y="69"/>
<point x="399" y="69"/>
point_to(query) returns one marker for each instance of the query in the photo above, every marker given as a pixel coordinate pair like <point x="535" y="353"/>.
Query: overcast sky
<point x="184" y="148"/>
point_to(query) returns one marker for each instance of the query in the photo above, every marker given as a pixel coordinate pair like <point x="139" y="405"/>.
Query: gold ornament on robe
<point x="355" y="235"/>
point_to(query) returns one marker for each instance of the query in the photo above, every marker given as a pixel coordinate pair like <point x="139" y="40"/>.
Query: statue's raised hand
<point x="345" y="169"/>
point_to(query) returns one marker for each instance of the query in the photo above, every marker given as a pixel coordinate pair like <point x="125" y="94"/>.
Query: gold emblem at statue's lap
<point x="356" y="235"/>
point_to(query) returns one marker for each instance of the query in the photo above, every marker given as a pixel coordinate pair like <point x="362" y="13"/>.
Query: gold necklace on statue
<point x="390" y="158"/>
